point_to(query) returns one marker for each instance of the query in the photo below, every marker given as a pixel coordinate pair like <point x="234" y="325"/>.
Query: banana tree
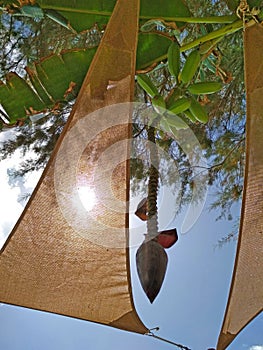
<point x="40" y="91"/>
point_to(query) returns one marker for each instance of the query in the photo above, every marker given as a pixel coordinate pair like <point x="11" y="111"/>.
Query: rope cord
<point x="180" y="346"/>
<point x="244" y="12"/>
<point x="242" y="9"/>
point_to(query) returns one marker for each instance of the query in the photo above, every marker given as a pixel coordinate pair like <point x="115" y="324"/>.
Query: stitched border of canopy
<point x="48" y="263"/>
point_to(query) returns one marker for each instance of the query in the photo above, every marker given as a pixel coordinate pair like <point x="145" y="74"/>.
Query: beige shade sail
<point x="68" y="252"/>
<point x="246" y="293"/>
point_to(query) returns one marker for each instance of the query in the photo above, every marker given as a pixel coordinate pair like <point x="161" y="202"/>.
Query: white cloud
<point x="256" y="347"/>
<point x="10" y="208"/>
<point x="7" y="134"/>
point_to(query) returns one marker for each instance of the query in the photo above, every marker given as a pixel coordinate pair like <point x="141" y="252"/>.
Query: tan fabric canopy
<point x="60" y="257"/>
<point x="246" y="294"/>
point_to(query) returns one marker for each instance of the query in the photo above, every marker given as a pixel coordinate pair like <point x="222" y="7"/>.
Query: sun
<point x="87" y="197"/>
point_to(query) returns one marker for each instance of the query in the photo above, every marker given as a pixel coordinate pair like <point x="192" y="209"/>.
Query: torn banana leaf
<point x="49" y="81"/>
<point x="59" y="77"/>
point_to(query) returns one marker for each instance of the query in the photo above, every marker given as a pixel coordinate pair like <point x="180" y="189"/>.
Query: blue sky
<point x="189" y="308"/>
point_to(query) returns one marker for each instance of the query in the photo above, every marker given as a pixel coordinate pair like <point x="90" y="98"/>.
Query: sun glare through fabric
<point x="87" y="197"/>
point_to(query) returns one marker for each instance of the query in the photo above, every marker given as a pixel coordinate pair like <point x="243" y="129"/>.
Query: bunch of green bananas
<point x="181" y="104"/>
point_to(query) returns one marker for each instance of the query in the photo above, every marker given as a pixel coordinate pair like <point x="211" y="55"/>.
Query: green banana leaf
<point x="83" y="14"/>
<point x="151" y="48"/>
<point x="17" y="97"/>
<point x="52" y="77"/>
